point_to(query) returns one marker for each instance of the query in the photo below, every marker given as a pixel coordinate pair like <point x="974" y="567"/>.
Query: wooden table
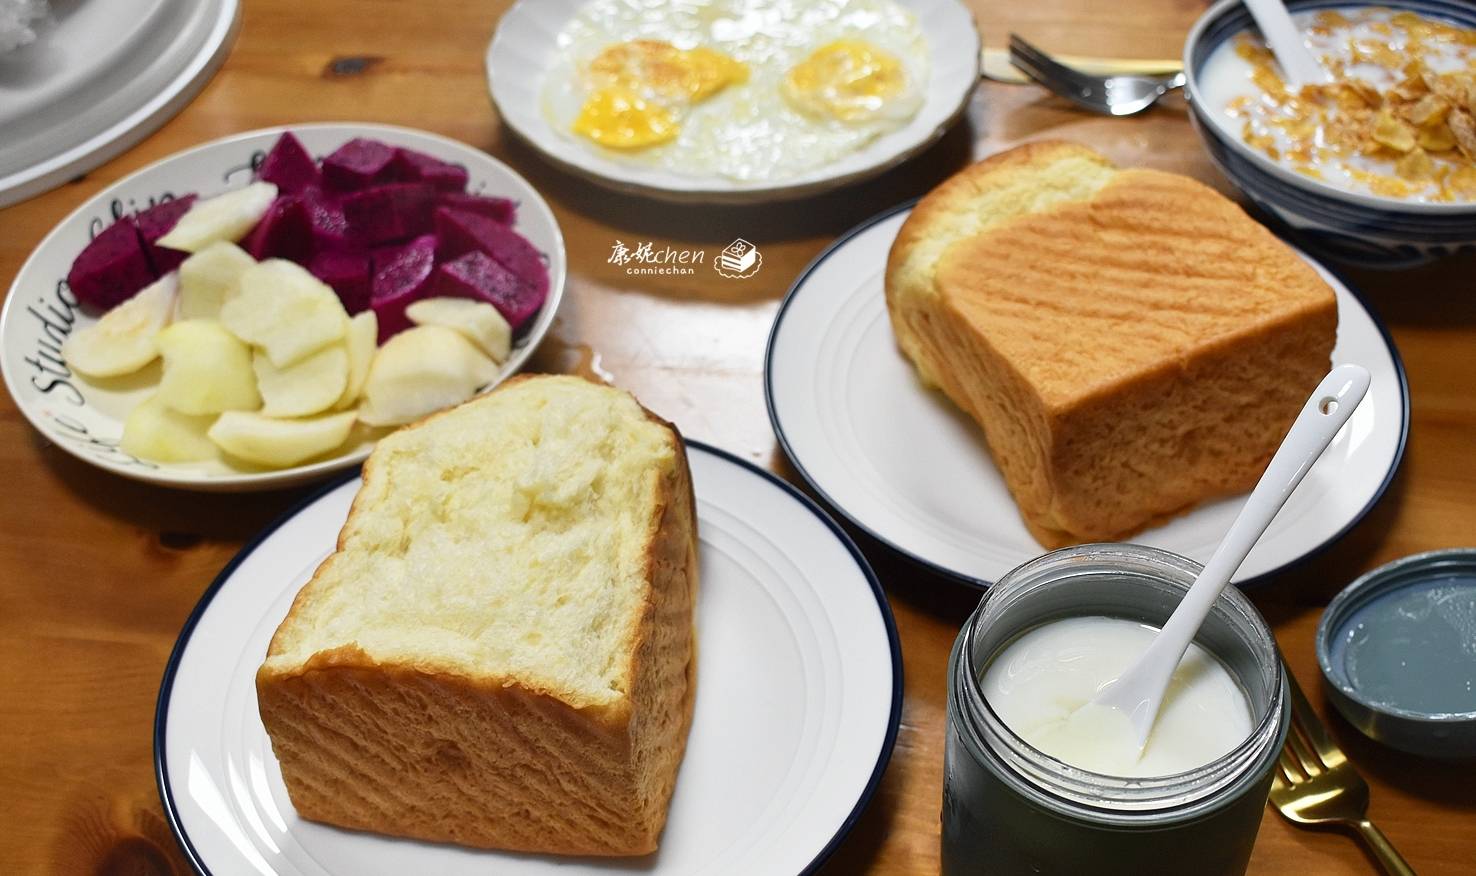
<point x="97" y="573"/>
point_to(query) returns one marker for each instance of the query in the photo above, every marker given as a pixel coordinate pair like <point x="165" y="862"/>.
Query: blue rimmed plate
<point x="799" y="694"/>
<point x="905" y="465"/>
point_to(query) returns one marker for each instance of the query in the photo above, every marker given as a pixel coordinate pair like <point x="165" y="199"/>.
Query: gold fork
<point x="1317" y="785"/>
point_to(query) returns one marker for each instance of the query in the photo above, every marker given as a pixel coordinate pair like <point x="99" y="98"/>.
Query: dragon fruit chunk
<point x="348" y="274"/>
<point x="461" y="232"/>
<point x="402" y="276"/>
<point x="478" y="276"/>
<point x="157" y="221"/>
<point x="503" y="210"/>
<point x="357" y="164"/>
<point x="112" y="268"/>
<point x="411" y="166"/>
<point x="329" y="226"/>
<point x="285" y="232"/>
<point x="289" y="166"/>
<point x="388" y="213"/>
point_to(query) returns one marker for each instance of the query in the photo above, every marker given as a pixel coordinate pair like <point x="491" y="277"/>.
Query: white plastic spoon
<point x="1296" y="60"/>
<point x="1138" y="693"/>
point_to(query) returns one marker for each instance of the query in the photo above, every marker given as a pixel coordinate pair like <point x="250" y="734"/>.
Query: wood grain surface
<point x="98" y="573"/>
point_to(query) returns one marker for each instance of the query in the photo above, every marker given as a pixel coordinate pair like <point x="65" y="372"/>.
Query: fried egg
<point x="851" y="80"/>
<point x="640" y="89"/>
<point x="751" y="90"/>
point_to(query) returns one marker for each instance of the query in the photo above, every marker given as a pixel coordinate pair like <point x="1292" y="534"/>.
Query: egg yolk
<point x="620" y="119"/>
<point x="640" y="86"/>
<point x="849" y="80"/>
<point x="709" y="72"/>
<point x="663" y="70"/>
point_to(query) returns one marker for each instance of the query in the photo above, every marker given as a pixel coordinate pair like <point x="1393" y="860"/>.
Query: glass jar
<point x="1010" y="808"/>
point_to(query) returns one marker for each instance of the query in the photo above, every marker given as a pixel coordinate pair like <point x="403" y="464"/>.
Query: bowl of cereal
<point x="1378" y="166"/>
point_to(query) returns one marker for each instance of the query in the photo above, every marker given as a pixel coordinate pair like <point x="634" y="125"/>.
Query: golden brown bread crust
<point x="961" y="189"/>
<point x="488" y="762"/>
<point x="1130" y="348"/>
<point x="663" y="662"/>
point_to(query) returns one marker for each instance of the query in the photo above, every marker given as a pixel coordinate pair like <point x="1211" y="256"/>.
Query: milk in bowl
<point x="1397" y="120"/>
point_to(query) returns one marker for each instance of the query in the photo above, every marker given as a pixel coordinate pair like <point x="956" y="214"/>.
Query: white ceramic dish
<point x="523" y="47"/>
<point x="86" y="418"/>
<point x="798" y="699"/>
<point x="901" y="462"/>
<point x="100" y="77"/>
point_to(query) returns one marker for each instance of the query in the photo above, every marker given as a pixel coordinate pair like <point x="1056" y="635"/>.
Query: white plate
<point x="901" y="462"/>
<point x="522" y="51"/>
<point x="86" y="419"/>
<point x="99" y="78"/>
<point x="798" y="699"/>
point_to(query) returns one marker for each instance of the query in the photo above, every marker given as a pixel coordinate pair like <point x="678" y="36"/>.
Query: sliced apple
<point x="310" y="386"/>
<point x="361" y="342"/>
<point x="122" y="341"/>
<point x="420" y="371"/>
<point x="207" y="370"/>
<point x="209" y="277"/>
<point x="224" y="217"/>
<point x="279" y="443"/>
<point x="286" y="311"/>
<point x="157" y="432"/>
<point x="478" y="320"/>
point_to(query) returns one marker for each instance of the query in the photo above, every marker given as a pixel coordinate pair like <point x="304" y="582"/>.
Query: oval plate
<point x="905" y="465"/>
<point x="523" y="48"/>
<point x="86" y="419"/>
<point x="799" y="695"/>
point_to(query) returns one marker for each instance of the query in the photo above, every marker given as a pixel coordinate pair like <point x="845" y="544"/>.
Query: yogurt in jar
<point x="1397" y="121"/>
<point x="1042" y="683"/>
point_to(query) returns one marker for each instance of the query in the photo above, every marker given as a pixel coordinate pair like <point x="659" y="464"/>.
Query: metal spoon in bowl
<point x="1138" y="693"/>
<point x="1297" y="61"/>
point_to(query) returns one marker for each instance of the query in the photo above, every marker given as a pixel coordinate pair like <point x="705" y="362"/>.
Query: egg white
<point x="748" y="132"/>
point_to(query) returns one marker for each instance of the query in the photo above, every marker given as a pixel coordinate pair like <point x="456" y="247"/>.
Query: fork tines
<point x="1323" y="750"/>
<point x="1040" y="66"/>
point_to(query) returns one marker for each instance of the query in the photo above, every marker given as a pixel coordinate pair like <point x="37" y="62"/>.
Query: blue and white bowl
<point x="1351" y="227"/>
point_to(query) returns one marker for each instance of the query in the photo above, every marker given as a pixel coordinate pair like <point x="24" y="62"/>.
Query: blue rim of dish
<point x="889" y="741"/>
<point x="980" y="583"/>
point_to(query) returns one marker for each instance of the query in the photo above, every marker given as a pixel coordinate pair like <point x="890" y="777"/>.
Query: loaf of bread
<point x="500" y="651"/>
<point x="1130" y="341"/>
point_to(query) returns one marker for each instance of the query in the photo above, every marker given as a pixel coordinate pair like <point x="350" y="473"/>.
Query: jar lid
<point x="1398" y="650"/>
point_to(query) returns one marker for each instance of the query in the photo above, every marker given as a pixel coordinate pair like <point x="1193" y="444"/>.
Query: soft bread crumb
<point x="500" y="541"/>
<point x="500" y="651"/>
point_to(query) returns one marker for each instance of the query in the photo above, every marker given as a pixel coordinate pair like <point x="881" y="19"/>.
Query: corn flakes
<point x="1404" y="125"/>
